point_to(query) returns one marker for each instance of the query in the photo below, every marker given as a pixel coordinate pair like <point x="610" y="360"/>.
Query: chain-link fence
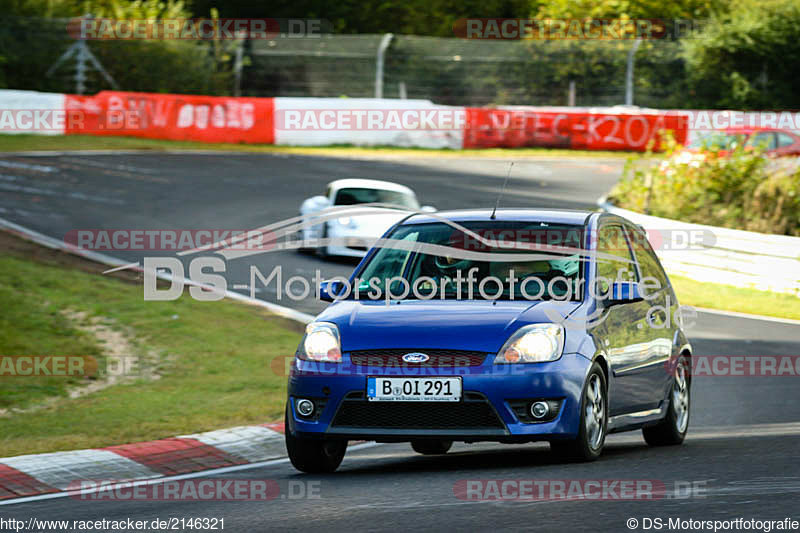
<point x="467" y="72"/>
<point x="445" y="70"/>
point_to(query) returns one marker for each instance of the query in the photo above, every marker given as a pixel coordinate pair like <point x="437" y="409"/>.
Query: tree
<point x="747" y="58"/>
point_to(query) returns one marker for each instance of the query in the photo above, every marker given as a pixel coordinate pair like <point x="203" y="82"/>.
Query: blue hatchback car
<point x="516" y="326"/>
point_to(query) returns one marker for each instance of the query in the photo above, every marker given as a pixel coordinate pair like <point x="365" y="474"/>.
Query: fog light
<point x="304" y="407"/>
<point x="539" y="409"/>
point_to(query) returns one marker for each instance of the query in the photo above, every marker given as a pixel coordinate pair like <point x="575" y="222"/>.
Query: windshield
<point x="497" y="260"/>
<point x="353" y="196"/>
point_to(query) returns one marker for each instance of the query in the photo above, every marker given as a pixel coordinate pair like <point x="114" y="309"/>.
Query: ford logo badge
<point x="415" y="357"/>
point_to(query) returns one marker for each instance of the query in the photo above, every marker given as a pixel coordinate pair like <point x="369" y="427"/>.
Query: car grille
<point x="438" y="358"/>
<point x="473" y="412"/>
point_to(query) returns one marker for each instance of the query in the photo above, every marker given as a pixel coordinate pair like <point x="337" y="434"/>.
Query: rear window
<point x="354" y="196"/>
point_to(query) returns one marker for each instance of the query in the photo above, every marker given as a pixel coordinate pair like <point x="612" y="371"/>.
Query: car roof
<point x="551" y="216"/>
<point x="369" y="184"/>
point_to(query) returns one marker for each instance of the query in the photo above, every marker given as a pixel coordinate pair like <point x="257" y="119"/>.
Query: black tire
<point x="588" y="445"/>
<point x="431" y="447"/>
<point x="673" y="428"/>
<point x="314" y="456"/>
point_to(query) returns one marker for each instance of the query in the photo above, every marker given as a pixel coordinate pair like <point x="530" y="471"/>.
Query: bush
<point x="738" y="189"/>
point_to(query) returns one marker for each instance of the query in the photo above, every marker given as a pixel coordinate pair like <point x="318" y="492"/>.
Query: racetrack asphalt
<point x="743" y="448"/>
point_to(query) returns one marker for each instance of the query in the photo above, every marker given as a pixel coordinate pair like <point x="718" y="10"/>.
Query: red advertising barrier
<point x="173" y="116"/>
<point x="496" y="128"/>
<point x="252" y="120"/>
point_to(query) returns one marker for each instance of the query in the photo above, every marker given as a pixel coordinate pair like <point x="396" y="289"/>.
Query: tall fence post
<point x="629" y="72"/>
<point x="379" y="62"/>
<point x="238" y="63"/>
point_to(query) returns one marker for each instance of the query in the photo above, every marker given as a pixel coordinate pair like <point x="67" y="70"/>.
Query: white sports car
<point x="352" y="235"/>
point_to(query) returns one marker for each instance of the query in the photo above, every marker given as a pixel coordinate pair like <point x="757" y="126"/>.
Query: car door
<point x="621" y="329"/>
<point x="660" y="307"/>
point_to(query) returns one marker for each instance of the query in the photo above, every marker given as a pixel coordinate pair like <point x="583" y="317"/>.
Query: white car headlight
<point x="345" y="221"/>
<point x="536" y="343"/>
<point x="322" y="343"/>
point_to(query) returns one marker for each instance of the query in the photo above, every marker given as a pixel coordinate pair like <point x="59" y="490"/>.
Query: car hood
<point x="456" y="325"/>
<point x="375" y="225"/>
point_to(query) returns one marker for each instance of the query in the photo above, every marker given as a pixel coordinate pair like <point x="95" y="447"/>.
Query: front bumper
<point x="351" y="242"/>
<point x="486" y="411"/>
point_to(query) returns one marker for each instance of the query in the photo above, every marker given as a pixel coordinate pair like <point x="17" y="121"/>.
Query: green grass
<point x="25" y="142"/>
<point x="35" y="328"/>
<point x="728" y="298"/>
<point x="215" y="361"/>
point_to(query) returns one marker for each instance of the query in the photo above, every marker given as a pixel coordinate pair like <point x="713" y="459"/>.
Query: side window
<point x="386" y="264"/>
<point x="763" y="140"/>
<point x="649" y="265"/>
<point x="614" y="259"/>
<point x="784" y="140"/>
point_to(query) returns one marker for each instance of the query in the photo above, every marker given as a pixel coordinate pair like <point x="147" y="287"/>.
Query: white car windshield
<point x="352" y="196"/>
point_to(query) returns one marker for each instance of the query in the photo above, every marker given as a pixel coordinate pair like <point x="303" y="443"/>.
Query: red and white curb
<point x="30" y="475"/>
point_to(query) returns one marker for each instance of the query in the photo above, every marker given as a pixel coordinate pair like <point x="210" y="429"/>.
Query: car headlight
<point x="537" y="343"/>
<point x="322" y="343"/>
<point x="345" y="221"/>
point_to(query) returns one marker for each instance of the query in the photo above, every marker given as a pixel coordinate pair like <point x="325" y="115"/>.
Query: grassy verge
<point x="23" y="143"/>
<point x="728" y="298"/>
<point x="212" y="360"/>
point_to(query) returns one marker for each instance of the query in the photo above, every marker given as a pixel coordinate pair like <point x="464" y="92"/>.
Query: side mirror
<point x="329" y="289"/>
<point x="428" y="209"/>
<point x="623" y="292"/>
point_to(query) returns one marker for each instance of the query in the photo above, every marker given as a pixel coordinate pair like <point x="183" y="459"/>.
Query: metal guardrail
<point x="732" y="257"/>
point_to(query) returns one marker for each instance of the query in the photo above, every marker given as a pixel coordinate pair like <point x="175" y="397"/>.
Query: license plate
<point x="414" y="389"/>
